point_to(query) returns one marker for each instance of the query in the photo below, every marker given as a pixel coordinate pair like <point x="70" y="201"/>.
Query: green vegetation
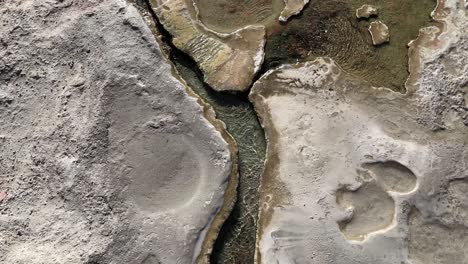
<point x="330" y="28"/>
<point x="229" y="15"/>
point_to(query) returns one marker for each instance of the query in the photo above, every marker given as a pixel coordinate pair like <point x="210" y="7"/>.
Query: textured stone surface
<point x="228" y="61"/>
<point x="366" y="11"/>
<point x="379" y="33"/>
<point x="357" y="174"/>
<point x="104" y="157"/>
<point x="291" y="8"/>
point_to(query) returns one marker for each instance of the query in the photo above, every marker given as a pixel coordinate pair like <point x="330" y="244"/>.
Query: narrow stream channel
<point x="236" y="241"/>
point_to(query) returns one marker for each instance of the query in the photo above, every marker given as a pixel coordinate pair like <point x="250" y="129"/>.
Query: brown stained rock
<point x="3" y="195"/>
<point x="379" y="33"/>
<point x="229" y="62"/>
<point x="292" y="7"/>
<point x="366" y="11"/>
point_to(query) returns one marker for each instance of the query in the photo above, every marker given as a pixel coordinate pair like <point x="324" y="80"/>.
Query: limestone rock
<point x="229" y="62"/>
<point x="366" y="11"/>
<point x="379" y="33"/>
<point x="104" y="157"/>
<point x="358" y="174"/>
<point x="291" y="8"/>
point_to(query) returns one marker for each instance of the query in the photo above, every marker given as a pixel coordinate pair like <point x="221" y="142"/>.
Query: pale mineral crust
<point x="229" y="62"/>
<point x="291" y="8"/>
<point x="366" y="11"/>
<point x="104" y="157"/>
<point x="379" y="33"/>
<point x="358" y="174"/>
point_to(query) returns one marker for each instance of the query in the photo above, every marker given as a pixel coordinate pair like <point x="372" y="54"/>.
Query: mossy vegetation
<point x="330" y="28"/>
<point x="229" y="15"/>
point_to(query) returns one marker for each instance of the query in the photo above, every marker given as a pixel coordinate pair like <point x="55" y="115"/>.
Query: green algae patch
<point x="331" y="28"/>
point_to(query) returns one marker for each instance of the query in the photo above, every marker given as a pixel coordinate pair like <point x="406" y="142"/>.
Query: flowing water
<point x="236" y="242"/>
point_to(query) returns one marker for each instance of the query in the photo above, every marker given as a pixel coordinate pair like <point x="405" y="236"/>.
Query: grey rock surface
<point x="361" y="174"/>
<point x="104" y="157"/>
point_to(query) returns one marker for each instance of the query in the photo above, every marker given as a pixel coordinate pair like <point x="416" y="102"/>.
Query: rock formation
<point x="358" y="174"/>
<point x="379" y="33"/>
<point x="229" y="62"/>
<point x="104" y="156"/>
<point x="291" y="8"/>
<point x="366" y="11"/>
<point x="111" y="150"/>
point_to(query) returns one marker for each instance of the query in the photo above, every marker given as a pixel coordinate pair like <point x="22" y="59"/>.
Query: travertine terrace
<point x="233" y="131"/>
<point x="358" y="174"/>
<point x="229" y="62"/>
<point x="104" y="156"/>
